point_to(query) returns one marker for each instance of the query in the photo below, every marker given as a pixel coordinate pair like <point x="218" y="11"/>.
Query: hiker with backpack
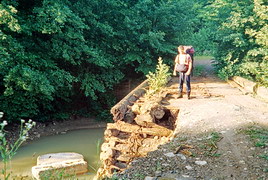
<point x="184" y="65"/>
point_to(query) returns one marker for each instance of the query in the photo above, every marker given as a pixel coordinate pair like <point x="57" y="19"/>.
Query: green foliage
<point x="260" y="138"/>
<point x="202" y="41"/>
<point x="7" y="18"/>
<point x="201" y="34"/>
<point x="115" y="177"/>
<point x="199" y="70"/>
<point x="240" y="33"/>
<point x="61" y="56"/>
<point x="159" y="79"/>
<point x="8" y="149"/>
<point x="264" y="157"/>
<point x="55" y="53"/>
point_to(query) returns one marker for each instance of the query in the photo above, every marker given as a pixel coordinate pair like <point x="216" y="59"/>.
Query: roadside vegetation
<point x="203" y="57"/>
<point x="239" y="33"/>
<point x="259" y="137"/>
<point x="9" y="149"/>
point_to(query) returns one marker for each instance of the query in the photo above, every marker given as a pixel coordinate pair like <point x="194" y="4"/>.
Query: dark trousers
<point x="183" y="78"/>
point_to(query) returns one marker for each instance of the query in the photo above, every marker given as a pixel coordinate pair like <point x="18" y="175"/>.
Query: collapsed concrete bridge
<point x="140" y="125"/>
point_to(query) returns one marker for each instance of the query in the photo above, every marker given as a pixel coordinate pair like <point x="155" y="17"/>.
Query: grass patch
<point x="199" y="70"/>
<point x="264" y="156"/>
<point x="260" y="138"/>
<point x="200" y="58"/>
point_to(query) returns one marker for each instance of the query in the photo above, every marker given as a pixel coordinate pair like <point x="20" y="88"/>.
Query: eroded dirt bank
<point x="211" y="140"/>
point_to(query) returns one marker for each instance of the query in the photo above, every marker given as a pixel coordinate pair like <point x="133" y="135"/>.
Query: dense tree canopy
<point x="63" y="56"/>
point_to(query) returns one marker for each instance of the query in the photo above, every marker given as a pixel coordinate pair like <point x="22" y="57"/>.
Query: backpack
<point x="190" y="50"/>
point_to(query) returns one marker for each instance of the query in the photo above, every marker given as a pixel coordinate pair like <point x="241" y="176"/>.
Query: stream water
<point x="85" y="142"/>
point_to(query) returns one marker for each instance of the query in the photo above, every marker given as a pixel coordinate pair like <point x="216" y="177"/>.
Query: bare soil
<point x="210" y="141"/>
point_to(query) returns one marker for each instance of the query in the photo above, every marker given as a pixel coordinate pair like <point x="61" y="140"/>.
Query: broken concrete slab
<point x="68" y="163"/>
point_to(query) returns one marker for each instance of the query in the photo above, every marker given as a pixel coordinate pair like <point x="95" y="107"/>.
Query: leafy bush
<point x="158" y="79"/>
<point x="240" y="33"/>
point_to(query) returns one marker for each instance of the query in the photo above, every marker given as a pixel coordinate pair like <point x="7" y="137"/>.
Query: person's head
<point x="181" y="49"/>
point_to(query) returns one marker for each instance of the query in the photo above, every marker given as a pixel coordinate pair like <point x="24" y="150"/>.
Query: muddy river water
<point x="85" y="142"/>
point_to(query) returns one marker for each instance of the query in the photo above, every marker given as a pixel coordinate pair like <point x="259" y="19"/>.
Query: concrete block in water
<point x="50" y="165"/>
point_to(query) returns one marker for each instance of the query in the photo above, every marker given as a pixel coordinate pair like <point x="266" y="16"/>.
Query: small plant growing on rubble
<point x="210" y="144"/>
<point x="7" y="149"/>
<point x="158" y="79"/>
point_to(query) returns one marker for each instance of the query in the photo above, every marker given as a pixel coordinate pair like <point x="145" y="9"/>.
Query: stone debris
<point x="181" y="156"/>
<point x="170" y="154"/>
<point x="150" y="178"/>
<point x="201" y="163"/>
<point x="242" y="162"/>
<point x="158" y="173"/>
<point x="189" y="167"/>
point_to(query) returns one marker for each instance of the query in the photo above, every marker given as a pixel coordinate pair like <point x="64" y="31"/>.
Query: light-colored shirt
<point x="183" y="59"/>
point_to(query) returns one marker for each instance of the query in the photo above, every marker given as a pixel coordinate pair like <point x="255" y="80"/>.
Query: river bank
<point x="54" y="128"/>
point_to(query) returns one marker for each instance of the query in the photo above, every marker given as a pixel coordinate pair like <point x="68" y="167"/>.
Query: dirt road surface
<point x="211" y="140"/>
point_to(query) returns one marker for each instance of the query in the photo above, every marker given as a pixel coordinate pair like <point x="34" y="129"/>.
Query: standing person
<point x="183" y="64"/>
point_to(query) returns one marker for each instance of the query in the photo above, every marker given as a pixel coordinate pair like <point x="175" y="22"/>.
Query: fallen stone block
<point x="55" y="164"/>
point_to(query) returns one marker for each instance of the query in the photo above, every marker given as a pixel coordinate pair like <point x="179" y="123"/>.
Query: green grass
<point x="198" y="58"/>
<point x="198" y="70"/>
<point x="260" y="138"/>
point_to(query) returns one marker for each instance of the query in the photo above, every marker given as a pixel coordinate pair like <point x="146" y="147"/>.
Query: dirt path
<point x="215" y="106"/>
<point x="212" y="125"/>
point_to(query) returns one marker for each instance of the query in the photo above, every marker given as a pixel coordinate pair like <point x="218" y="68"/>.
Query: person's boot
<point x="180" y="95"/>
<point x="188" y="95"/>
